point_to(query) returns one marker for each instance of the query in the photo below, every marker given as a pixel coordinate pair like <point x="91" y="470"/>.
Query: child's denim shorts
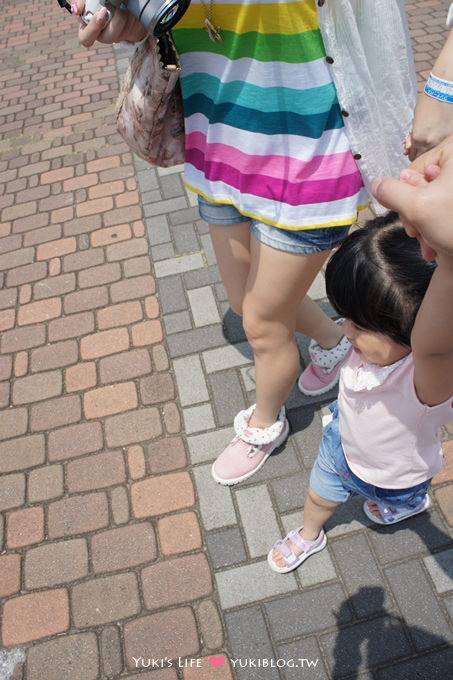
<point x="301" y="241"/>
<point x="332" y="479"/>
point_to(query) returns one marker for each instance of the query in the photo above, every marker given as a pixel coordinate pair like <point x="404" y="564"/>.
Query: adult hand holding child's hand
<point x="423" y="197"/>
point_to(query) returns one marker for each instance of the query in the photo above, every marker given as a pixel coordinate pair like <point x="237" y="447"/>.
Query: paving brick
<point x="77" y="515"/>
<point x="436" y="666"/>
<point x="45" y="483"/>
<point x="421" y="533"/>
<point x="156" y="388"/>
<point x="190" y="380"/>
<point x="83" y="260"/>
<point x="83" y="300"/>
<point x="20" y="364"/>
<point x="385" y="642"/>
<point x="250" y="583"/>
<point x="166" y="454"/>
<point x="75" y="440"/>
<point x="215" y="502"/>
<point x="290" y="492"/>
<point x="25" y="453"/>
<point x="26" y="274"/>
<point x="304" y="654"/>
<point x="230" y="356"/>
<point x="208" y="445"/>
<point x="55" y="564"/>
<point x="160" y="358"/>
<point x="73" y="326"/>
<point x="127" y="250"/>
<point x="57" y="285"/>
<point x="171" y="634"/>
<point x="74" y="657"/>
<point x="125" y="365"/>
<point x="19" y="339"/>
<point x="162" y="494"/>
<point x="444" y="498"/>
<point x="195" y="341"/>
<point x="110" y="646"/>
<point x="25" y="527"/>
<point x="418" y="604"/>
<point x="133" y="427"/>
<point x="9" y="575"/>
<point x="6" y="364"/>
<point x="14" y="423"/>
<point x="203" y="306"/>
<point x="35" y="616"/>
<point x="37" y="387"/>
<point x="95" y="472"/>
<point x="327" y="607"/>
<point x="258" y="519"/>
<point x="80" y="377"/>
<point x="106" y="401"/>
<point x="12" y="491"/>
<point x="176" y="581"/>
<point x="133" y="288"/>
<point x="198" y="418"/>
<point x="177" y="322"/>
<point x="8" y="298"/>
<point x="172" y="295"/>
<point x="227" y="396"/>
<point x="104" y="343"/>
<point x="106" y="599"/>
<point x="136" y="462"/>
<point x="146" y="333"/>
<point x="249" y="639"/>
<point x="43" y="310"/>
<point x="362" y="579"/>
<point x="137" y="265"/>
<point x="179" y="533"/>
<point x="56" y="355"/>
<point x="440" y="568"/>
<point x="210" y="625"/>
<point x="123" y="548"/>
<point x="53" y="413"/>
<point x="226" y="547"/>
<point x="172" y="418"/>
<point x="119" y="315"/>
<point x="64" y="246"/>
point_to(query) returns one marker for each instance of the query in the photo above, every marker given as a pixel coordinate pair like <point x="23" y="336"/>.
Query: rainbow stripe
<point x="264" y="130"/>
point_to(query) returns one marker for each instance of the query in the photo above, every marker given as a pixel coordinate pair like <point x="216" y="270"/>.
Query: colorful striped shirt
<point x="264" y="130"/>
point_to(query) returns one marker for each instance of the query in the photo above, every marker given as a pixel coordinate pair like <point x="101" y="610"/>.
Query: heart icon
<point x="216" y="661"/>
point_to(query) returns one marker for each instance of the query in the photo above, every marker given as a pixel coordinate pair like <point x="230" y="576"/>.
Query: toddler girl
<point x="395" y="390"/>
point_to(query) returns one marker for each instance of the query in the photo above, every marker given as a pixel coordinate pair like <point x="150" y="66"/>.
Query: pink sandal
<point x="291" y="559"/>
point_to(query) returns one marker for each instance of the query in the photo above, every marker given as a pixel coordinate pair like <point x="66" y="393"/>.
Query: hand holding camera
<point x="113" y="20"/>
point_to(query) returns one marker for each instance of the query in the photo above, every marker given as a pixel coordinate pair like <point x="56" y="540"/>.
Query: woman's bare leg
<point x="276" y="284"/>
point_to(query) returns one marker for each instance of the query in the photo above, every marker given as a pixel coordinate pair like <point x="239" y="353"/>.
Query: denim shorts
<point x="300" y="241"/>
<point x="332" y="479"/>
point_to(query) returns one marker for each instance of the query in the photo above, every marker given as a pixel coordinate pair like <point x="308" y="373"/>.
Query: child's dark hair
<point x="378" y="278"/>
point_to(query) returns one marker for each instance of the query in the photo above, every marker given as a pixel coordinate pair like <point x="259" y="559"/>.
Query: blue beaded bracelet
<point x="440" y="89"/>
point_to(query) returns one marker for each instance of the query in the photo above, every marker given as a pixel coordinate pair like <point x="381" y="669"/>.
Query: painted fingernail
<point x="74" y="8"/>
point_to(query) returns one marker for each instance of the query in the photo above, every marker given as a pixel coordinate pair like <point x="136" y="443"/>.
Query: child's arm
<point x="432" y="337"/>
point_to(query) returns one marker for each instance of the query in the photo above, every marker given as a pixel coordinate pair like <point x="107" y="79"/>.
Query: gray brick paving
<point x="418" y="604"/>
<point x="440" y="568"/>
<point x="257" y="516"/>
<point x="250" y="639"/>
<point x="251" y="583"/>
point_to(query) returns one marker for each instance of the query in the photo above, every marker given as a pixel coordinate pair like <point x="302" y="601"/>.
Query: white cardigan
<point x="375" y="80"/>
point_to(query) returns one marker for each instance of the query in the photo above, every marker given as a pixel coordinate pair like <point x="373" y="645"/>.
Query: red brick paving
<point x="100" y="528"/>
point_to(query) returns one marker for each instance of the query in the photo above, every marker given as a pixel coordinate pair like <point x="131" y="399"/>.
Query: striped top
<point x="264" y="130"/>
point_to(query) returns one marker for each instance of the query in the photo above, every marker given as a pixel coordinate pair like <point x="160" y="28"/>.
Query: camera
<point x="156" y="16"/>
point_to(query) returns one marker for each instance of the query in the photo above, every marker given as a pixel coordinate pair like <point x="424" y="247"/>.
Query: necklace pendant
<point x="212" y="31"/>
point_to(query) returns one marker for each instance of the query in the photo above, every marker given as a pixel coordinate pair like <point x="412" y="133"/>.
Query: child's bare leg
<point x="317" y="511"/>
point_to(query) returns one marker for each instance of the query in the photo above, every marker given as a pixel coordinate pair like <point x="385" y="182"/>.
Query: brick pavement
<point x="121" y="369"/>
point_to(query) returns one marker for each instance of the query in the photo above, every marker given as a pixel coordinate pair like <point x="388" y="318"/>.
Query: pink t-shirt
<point x="390" y="438"/>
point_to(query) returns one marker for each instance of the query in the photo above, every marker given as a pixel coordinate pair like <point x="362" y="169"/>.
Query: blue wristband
<point x="440" y="89"/>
